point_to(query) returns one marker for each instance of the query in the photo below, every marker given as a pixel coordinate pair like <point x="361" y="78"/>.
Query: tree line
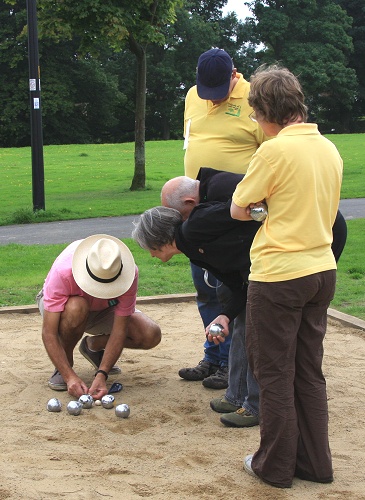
<point x="91" y="69"/>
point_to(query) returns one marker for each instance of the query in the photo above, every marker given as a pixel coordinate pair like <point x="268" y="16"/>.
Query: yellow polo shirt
<point x="299" y="174"/>
<point x="220" y="136"/>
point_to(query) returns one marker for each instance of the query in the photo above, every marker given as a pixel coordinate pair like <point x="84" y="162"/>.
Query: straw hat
<point x="103" y="266"/>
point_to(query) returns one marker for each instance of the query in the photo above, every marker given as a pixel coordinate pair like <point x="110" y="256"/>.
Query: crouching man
<point x="92" y="288"/>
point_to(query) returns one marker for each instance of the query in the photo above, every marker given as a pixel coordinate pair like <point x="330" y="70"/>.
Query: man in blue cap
<point x="218" y="130"/>
<point x="216" y="74"/>
<point x="218" y="134"/>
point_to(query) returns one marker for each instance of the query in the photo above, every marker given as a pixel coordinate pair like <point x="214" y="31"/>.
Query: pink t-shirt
<point x="60" y="285"/>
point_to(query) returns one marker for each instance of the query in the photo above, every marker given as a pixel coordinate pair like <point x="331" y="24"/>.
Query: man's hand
<point x="76" y="387"/>
<point x="222" y="320"/>
<point x="98" y="388"/>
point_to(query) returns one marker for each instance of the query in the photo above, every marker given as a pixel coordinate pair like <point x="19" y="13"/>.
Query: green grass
<point x="23" y="269"/>
<point x="83" y="181"/>
<point x="352" y="150"/>
<point x="350" y="289"/>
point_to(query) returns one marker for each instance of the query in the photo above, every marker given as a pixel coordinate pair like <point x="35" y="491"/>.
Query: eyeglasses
<point x="252" y="116"/>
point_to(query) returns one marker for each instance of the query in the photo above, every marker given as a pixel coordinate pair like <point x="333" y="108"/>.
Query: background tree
<point x="117" y="23"/>
<point x="356" y="10"/>
<point x="81" y="102"/>
<point x="14" y="102"/>
<point x="312" y="40"/>
<point x="90" y="96"/>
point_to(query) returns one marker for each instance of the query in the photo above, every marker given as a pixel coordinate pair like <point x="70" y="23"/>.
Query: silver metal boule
<point x="216" y="329"/>
<point x="259" y="213"/>
<point x="107" y="401"/>
<point x="122" y="411"/>
<point x="86" y="400"/>
<point x="54" y="404"/>
<point x="74" y="407"/>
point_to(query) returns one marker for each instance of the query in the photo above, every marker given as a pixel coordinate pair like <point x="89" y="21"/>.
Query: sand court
<point x="173" y="445"/>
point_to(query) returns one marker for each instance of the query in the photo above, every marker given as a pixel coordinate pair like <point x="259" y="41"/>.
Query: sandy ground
<point x="172" y="446"/>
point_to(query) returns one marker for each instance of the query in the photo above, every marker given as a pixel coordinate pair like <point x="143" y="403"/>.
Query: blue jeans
<point x="243" y="389"/>
<point x="209" y="300"/>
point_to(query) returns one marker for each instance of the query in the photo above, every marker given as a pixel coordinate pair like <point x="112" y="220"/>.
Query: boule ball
<point x="122" y="410"/>
<point x="74" y="407"/>
<point x="86" y="400"/>
<point x="107" y="401"/>
<point x="258" y="213"/>
<point x="54" y="404"/>
<point x="216" y="329"/>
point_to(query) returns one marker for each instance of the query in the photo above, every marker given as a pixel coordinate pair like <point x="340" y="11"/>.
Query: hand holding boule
<point x="216" y="329"/>
<point x="259" y="213"/>
<point x="86" y="400"/>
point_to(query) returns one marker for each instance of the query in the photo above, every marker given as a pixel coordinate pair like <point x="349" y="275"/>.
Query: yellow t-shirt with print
<point x="299" y="174"/>
<point x="220" y="136"/>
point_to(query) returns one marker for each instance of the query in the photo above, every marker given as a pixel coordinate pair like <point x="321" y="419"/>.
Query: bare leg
<point x="143" y="332"/>
<point x="72" y="324"/>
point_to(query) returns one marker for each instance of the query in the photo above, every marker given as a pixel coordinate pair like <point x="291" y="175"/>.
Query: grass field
<point x="85" y="181"/>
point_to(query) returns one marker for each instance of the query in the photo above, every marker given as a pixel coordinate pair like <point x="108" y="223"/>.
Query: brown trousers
<point x="286" y="325"/>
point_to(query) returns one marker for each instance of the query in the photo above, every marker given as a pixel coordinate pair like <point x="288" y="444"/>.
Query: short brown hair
<point x="277" y="95"/>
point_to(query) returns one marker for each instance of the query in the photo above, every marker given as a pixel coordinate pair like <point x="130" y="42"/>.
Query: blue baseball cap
<point x="213" y="75"/>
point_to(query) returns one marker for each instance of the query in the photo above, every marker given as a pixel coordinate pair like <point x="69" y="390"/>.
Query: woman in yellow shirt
<point x="292" y="281"/>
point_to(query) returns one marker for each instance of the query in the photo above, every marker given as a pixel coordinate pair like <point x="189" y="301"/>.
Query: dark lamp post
<point x="35" y="108"/>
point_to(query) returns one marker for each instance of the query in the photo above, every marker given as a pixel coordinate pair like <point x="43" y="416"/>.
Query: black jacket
<point x="216" y="185"/>
<point x="211" y="239"/>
